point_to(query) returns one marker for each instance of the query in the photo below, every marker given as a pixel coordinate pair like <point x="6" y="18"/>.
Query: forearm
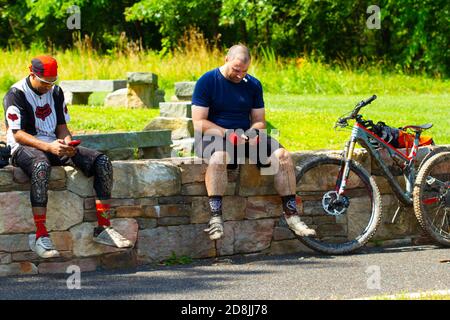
<point x="210" y="127"/>
<point x="63" y="133"/>
<point x="258" y="125"/>
<point x="26" y="139"/>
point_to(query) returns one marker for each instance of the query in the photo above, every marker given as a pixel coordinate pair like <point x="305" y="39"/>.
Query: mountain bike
<point x="344" y="201"/>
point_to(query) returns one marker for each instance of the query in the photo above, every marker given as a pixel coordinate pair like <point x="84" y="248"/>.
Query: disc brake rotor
<point x="334" y="204"/>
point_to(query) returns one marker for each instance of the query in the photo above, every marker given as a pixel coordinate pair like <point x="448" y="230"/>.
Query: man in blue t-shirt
<point x="229" y="120"/>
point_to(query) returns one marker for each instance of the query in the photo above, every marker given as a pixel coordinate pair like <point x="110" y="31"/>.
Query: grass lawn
<point x="304" y="122"/>
<point x="432" y="295"/>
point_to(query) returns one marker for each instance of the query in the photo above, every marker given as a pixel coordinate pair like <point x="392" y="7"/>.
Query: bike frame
<point x="361" y="135"/>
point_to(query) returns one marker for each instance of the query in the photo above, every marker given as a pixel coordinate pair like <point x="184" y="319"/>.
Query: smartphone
<point x="74" y="143"/>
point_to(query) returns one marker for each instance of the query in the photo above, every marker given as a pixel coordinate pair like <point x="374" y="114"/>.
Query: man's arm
<point x="56" y="147"/>
<point x="258" y="117"/>
<point x="201" y="122"/>
<point x="63" y="133"/>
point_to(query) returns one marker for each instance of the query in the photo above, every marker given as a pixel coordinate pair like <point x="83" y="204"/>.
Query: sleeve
<point x="62" y="113"/>
<point x="13" y="118"/>
<point x="201" y="96"/>
<point x="258" y="102"/>
<point x="14" y="109"/>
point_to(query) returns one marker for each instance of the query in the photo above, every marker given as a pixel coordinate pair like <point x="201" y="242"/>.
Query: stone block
<point x="173" y="221"/>
<point x="14" y="243"/>
<point x="252" y="183"/>
<point x="5" y="258"/>
<point x="181" y="127"/>
<point x="65" y="209"/>
<point x="146" y="223"/>
<point x="200" y="210"/>
<point x="184" y="90"/>
<point x="142" y="78"/>
<point x="85" y="265"/>
<point x="199" y="189"/>
<point x="282" y="233"/>
<point x="175" y="109"/>
<point x="119" y="260"/>
<point x="183" y="147"/>
<point x="129" y="212"/>
<point x="246" y="236"/>
<point x="263" y="207"/>
<point x="84" y="246"/>
<point x="117" y="98"/>
<point x="155" y="152"/>
<point x="19" y="268"/>
<point x="158" y="244"/>
<point x="191" y="173"/>
<point x="121" y="154"/>
<point x="6" y="178"/>
<point x="406" y="223"/>
<point x="78" y="183"/>
<point x="138" y="179"/>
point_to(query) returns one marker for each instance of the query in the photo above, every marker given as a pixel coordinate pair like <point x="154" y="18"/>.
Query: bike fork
<point x="345" y="169"/>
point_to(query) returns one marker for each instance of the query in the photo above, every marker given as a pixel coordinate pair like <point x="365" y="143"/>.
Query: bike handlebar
<point x="362" y="104"/>
<point x="359" y="106"/>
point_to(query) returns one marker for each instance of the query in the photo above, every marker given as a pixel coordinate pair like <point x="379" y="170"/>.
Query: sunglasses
<point x="45" y="81"/>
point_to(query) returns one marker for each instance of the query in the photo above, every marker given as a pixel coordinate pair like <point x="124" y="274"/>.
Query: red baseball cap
<point x="44" y="66"/>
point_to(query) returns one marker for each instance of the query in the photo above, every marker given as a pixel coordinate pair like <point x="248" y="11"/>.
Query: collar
<point x="31" y="87"/>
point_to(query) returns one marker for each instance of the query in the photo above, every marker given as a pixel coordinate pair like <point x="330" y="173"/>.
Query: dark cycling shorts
<point x="25" y="156"/>
<point x="205" y="146"/>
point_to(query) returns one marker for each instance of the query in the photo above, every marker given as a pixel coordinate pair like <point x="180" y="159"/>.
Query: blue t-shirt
<point x="229" y="103"/>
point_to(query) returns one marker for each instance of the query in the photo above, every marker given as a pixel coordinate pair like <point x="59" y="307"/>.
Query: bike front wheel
<point x="432" y="197"/>
<point x="343" y="223"/>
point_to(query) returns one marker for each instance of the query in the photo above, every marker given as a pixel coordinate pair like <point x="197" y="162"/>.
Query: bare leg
<point x="216" y="181"/>
<point x="216" y="178"/>
<point x="285" y="184"/>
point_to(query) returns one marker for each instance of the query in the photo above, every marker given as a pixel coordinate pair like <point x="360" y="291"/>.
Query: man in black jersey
<point x="36" y="119"/>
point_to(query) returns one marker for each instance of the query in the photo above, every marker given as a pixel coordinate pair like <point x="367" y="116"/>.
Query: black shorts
<point x="24" y="157"/>
<point x="206" y="145"/>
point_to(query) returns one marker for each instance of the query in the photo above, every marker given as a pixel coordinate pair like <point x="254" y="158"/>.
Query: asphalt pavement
<point x="372" y="272"/>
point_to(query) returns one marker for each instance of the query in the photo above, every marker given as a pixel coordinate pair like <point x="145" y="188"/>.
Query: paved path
<point x="373" y="272"/>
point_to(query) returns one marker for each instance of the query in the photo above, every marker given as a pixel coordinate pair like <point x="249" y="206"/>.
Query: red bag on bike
<point x="399" y="138"/>
<point x="406" y="140"/>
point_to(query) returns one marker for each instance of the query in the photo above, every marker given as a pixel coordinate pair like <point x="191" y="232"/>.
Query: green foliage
<point x="6" y="81"/>
<point x="175" y="17"/>
<point x="413" y="37"/>
<point x="175" y="260"/>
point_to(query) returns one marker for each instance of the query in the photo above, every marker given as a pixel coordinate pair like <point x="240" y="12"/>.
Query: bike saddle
<point x="418" y="128"/>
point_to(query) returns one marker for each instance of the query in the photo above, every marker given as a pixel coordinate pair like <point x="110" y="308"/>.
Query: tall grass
<point x="194" y="56"/>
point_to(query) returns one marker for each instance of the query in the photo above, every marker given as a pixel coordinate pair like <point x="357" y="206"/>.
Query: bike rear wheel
<point x="432" y="197"/>
<point x="343" y="224"/>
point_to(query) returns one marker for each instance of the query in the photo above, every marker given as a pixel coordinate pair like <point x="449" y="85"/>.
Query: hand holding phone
<point x="74" y="143"/>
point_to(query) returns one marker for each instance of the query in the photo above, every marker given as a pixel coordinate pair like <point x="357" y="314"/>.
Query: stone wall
<point x="162" y="206"/>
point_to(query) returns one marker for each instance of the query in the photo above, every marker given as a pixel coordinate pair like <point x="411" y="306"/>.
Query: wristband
<point x="233" y="138"/>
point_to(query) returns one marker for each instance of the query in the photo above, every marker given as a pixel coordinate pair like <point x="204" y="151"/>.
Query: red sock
<point x="103" y="214"/>
<point x="39" y="221"/>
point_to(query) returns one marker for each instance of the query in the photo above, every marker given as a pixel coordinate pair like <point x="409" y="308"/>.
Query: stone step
<point x="184" y="90"/>
<point x="181" y="127"/>
<point x="175" y="109"/>
<point x="92" y="85"/>
<point x="138" y="139"/>
<point x="186" y="146"/>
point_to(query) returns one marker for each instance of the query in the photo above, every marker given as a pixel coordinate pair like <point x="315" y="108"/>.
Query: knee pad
<point x="103" y="177"/>
<point x="40" y="176"/>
